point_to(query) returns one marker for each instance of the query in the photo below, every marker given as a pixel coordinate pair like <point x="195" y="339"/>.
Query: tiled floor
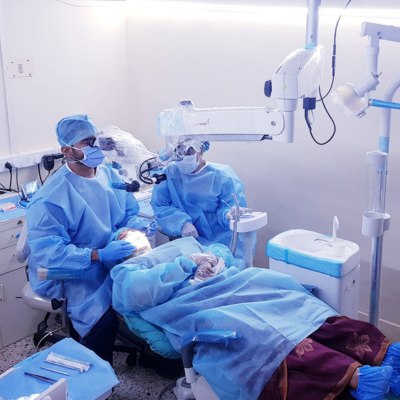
<point x="136" y="383"/>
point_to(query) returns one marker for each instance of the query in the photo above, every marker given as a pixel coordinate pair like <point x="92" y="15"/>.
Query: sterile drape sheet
<point x="270" y="310"/>
<point x="92" y="384"/>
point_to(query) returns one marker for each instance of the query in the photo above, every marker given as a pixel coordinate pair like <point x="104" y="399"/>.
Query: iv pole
<point x="374" y="224"/>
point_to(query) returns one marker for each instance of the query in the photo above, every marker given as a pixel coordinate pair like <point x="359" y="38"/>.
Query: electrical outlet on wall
<point x="26" y="159"/>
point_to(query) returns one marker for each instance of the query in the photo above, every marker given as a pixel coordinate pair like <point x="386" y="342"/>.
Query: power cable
<point x="321" y="98"/>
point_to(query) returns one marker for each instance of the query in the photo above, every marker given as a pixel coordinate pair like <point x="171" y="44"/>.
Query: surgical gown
<point x="203" y="199"/>
<point x="68" y="218"/>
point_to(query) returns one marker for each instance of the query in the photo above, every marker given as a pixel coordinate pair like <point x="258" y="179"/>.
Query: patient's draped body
<point x="271" y="311"/>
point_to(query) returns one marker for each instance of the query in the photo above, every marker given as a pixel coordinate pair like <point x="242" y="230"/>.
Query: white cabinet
<point x="16" y="319"/>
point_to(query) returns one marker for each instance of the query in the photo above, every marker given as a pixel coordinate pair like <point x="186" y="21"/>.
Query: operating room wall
<point x="79" y="65"/>
<point x="221" y="59"/>
<point x="84" y="61"/>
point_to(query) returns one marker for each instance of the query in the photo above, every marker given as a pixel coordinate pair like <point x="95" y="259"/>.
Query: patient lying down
<point x="292" y="345"/>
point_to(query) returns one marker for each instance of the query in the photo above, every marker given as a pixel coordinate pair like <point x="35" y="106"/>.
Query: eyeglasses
<point x="90" y="141"/>
<point x="183" y="150"/>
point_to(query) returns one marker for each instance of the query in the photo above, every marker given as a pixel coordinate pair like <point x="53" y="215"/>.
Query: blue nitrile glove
<point x="189" y="229"/>
<point x="116" y="234"/>
<point x="151" y="229"/>
<point x="116" y="250"/>
<point x="231" y="214"/>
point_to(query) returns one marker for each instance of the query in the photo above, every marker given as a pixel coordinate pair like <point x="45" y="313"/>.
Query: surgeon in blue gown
<point x="74" y="223"/>
<point x="197" y="199"/>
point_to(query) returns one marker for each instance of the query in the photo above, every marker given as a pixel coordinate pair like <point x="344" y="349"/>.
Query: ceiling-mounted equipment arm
<point x="312" y="22"/>
<point x="297" y="77"/>
<point x="221" y="124"/>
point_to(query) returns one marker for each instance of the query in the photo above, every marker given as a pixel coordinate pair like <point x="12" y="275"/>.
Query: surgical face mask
<point x="92" y="156"/>
<point x="188" y="164"/>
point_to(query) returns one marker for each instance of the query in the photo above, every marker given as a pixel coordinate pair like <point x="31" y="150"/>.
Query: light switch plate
<point x="20" y="68"/>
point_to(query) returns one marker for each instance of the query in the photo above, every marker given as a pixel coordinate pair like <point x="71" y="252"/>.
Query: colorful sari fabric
<point x="320" y="366"/>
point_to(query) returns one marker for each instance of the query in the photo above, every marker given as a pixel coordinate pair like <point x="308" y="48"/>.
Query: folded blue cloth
<point x="392" y="358"/>
<point x="373" y="382"/>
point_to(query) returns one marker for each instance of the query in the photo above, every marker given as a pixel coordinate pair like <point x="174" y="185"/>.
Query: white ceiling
<point x="390" y="4"/>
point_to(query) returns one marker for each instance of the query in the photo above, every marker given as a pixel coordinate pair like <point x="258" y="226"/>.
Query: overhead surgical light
<point x="351" y="99"/>
<point x="354" y="99"/>
<point x="353" y="102"/>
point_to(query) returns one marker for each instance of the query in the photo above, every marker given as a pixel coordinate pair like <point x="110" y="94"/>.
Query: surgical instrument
<point x="41" y="377"/>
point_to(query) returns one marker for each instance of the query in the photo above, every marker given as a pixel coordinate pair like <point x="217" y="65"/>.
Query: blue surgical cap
<point x="73" y="129"/>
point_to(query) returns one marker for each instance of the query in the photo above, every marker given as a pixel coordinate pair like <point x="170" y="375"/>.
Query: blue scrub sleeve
<point x="132" y="210"/>
<point x="226" y="201"/>
<point x="50" y="243"/>
<point x="132" y="220"/>
<point x="133" y="293"/>
<point x="170" y="219"/>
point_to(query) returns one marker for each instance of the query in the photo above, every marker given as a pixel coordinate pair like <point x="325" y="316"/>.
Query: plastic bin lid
<point x="314" y="251"/>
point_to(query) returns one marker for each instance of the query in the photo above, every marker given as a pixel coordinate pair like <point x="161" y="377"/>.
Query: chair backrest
<point x="29" y="297"/>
